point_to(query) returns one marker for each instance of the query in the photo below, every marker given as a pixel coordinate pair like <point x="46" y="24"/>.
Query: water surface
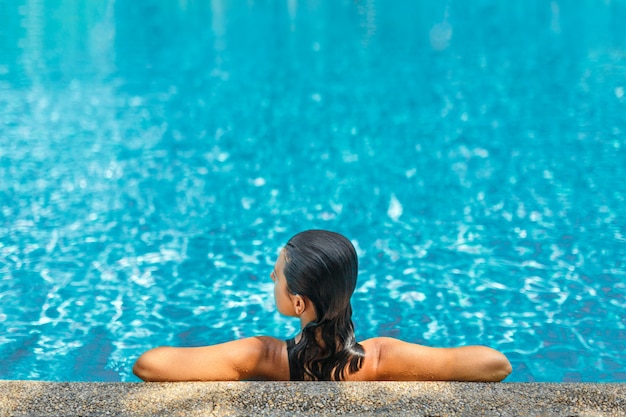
<point x="154" y="157"/>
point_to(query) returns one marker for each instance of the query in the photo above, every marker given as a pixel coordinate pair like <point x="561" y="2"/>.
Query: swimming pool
<point x="154" y="156"/>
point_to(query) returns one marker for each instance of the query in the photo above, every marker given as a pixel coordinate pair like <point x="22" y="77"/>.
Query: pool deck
<point x="33" y="398"/>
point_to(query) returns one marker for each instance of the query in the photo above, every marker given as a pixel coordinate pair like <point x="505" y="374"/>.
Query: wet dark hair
<point x="323" y="266"/>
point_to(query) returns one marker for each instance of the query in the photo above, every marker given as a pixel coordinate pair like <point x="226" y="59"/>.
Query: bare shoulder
<point x="251" y="358"/>
<point x="393" y="359"/>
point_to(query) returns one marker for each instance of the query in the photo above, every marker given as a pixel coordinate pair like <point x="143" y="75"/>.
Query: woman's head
<point x="321" y="266"/>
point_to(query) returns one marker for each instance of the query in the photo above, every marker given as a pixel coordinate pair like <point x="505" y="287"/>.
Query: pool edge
<point x="38" y="398"/>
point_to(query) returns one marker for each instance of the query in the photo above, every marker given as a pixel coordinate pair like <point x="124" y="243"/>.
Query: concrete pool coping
<point x="34" y="398"/>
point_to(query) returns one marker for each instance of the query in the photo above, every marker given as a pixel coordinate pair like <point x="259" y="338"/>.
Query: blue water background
<point x="155" y="155"/>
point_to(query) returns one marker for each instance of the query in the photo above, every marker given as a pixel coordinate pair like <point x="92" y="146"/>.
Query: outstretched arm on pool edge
<point x="399" y="360"/>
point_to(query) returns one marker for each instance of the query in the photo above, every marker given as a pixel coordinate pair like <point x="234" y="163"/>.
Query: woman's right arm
<point x="402" y="361"/>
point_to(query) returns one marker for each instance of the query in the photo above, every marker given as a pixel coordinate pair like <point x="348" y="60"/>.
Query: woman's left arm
<point x="251" y="358"/>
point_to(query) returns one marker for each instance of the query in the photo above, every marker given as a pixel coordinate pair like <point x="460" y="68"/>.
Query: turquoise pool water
<point x="155" y="155"/>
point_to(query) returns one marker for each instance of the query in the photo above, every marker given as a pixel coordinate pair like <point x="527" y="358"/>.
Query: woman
<point x="314" y="278"/>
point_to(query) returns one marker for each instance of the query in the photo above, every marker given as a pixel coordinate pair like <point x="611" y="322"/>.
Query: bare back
<point x="265" y="358"/>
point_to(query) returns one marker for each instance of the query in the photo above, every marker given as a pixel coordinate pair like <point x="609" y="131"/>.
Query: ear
<point x="299" y="304"/>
